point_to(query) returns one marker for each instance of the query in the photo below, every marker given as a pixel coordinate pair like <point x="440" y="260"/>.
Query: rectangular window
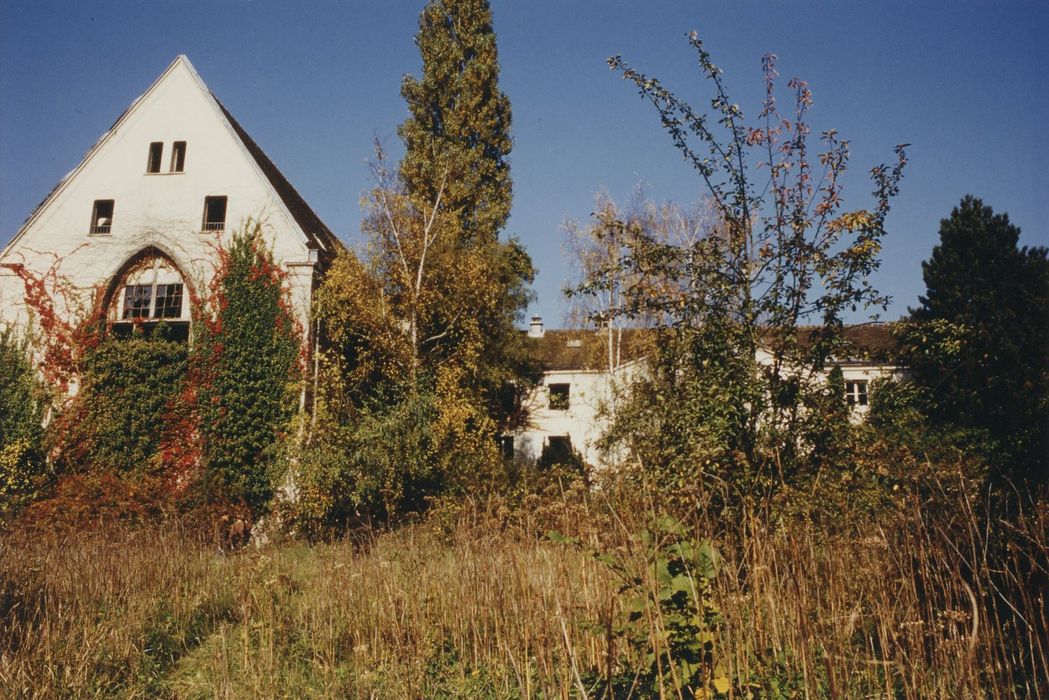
<point x="559" y="397"/>
<point x="214" y="214"/>
<point x="156" y="150"/>
<point x="558" y="450"/>
<point x="169" y="301"/>
<point x="856" y="392"/>
<point x="506" y="446"/>
<point x="178" y="156"/>
<point x="102" y="216"/>
<point x="136" y="301"/>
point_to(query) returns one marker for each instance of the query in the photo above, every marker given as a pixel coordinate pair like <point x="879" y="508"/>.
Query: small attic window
<point x="214" y="214"/>
<point x="178" y="156"/>
<point x="156" y="150"/>
<point x="102" y="216"/>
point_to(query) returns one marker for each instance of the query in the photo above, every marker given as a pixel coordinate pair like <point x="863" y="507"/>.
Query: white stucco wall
<point x="587" y="417"/>
<point x="164" y="210"/>
<point x="591" y="395"/>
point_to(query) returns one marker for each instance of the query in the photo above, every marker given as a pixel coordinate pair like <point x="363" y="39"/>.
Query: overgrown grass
<point x="477" y="602"/>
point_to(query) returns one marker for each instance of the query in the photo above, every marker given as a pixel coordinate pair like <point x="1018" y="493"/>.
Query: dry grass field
<point x="479" y="603"/>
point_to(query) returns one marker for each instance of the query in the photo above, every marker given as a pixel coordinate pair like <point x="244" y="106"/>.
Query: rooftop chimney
<point x="535" y="328"/>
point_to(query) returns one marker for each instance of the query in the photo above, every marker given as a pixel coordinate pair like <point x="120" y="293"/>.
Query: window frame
<point x="857" y="392"/>
<point x="178" y="157"/>
<point x="209" y="225"/>
<point x="97" y="229"/>
<point x="152" y="310"/>
<point x="155" y="158"/>
<point x="560" y="396"/>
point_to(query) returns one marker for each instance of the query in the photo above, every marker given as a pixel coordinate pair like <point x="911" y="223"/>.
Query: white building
<point x="571" y="405"/>
<point x="142" y="212"/>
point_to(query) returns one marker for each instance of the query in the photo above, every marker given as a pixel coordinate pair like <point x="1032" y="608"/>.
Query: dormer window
<point x="102" y="216"/>
<point x="178" y="156"/>
<point x="214" y="214"/>
<point x="156" y="151"/>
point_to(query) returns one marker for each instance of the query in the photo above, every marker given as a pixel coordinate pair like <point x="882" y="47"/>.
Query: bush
<point x="378" y="468"/>
<point x="21" y="415"/>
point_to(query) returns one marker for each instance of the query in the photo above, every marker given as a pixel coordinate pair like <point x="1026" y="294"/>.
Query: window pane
<point x="136" y="300"/>
<point x="169" y="301"/>
<point x="856" y="393"/>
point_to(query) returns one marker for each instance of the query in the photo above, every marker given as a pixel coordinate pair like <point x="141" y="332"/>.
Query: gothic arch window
<point x="149" y="293"/>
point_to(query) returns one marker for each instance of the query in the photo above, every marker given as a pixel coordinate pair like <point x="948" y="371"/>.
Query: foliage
<point x="564" y="457"/>
<point x="118" y="418"/>
<point x="727" y="390"/>
<point x="668" y="619"/>
<point x="382" y="466"/>
<point x="457" y="145"/>
<point x="22" y="404"/>
<point x="458" y="135"/>
<point x="978" y="344"/>
<point x="245" y="368"/>
<point x="419" y="329"/>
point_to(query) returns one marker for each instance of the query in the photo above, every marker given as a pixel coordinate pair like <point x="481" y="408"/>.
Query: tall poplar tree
<point x="459" y="129"/>
<point x="458" y="144"/>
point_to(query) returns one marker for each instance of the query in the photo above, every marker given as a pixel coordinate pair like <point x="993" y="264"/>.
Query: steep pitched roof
<point x="319" y="236"/>
<point x="580" y="349"/>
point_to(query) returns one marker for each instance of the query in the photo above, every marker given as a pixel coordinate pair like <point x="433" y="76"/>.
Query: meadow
<point x="479" y="600"/>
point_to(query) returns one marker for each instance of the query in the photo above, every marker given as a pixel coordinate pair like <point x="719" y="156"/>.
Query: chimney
<point x="535" y="328"/>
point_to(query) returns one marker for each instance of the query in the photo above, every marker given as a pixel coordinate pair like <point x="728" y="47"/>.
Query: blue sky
<point x="314" y="82"/>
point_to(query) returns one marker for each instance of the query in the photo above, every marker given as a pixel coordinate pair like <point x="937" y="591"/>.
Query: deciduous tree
<point x="458" y="144"/>
<point x="784" y="253"/>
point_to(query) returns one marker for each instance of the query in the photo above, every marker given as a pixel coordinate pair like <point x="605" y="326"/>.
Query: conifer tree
<point x="981" y="344"/>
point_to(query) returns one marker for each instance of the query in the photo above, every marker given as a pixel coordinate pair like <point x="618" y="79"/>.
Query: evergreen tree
<point x="457" y="156"/>
<point x="981" y="344"/>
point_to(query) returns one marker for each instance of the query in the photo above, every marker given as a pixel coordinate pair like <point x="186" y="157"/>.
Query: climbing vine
<point x="245" y="369"/>
<point x="202" y="419"/>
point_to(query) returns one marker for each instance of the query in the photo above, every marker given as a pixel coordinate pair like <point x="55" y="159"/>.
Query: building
<point x="571" y="405"/>
<point x="143" y="211"/>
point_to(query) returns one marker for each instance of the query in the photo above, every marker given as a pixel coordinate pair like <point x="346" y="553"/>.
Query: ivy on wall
<point x="120" y="414"/>
<point x="246" y="367"/>
<point x="147" y="409"/>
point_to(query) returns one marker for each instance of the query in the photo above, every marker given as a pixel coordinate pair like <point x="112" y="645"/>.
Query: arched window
<point x="150" y="292"/>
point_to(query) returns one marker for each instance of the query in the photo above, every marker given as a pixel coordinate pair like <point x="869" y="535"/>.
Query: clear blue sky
<point x="314" y="82"/>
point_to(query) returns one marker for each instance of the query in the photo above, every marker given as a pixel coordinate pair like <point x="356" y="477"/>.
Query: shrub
<point x="21" y="414"/>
